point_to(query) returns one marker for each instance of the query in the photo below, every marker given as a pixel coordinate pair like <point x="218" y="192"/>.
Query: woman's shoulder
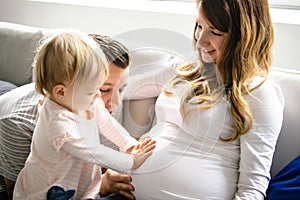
<point x="267" y="87"/>
<point x="266" y="91"/>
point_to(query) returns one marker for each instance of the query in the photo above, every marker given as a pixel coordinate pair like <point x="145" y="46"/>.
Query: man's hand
<point x="116" y="183"/>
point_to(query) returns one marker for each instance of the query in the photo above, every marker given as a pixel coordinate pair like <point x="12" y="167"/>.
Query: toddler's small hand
<point x="142" y="151"/>
<point x="143" y="138"/>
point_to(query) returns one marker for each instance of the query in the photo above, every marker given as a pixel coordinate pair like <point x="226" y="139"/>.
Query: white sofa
<point x="17" y="49"/>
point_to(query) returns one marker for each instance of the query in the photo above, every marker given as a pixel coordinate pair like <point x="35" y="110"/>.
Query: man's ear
<point x="59" y="91"/>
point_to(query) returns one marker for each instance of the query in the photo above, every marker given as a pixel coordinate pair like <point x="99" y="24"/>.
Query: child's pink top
<point x="66" y="151"/>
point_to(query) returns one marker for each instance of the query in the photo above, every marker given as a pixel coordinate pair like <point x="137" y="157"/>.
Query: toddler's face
<point x="83" y="93"/>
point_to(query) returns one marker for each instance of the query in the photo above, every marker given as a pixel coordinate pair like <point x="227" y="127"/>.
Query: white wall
<point x="286" y="51"/>
<point x="115" y="22"/>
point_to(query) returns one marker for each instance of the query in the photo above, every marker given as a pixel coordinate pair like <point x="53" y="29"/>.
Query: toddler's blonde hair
<point x="68" y="57"/>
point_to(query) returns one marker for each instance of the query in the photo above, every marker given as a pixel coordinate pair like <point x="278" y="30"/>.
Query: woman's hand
<point x="116" y="183"/>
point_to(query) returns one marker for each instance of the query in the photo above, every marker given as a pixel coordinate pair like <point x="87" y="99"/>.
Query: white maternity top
<point x="190" y="162"/>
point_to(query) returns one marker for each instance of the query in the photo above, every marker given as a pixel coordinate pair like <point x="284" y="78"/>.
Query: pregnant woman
<point x="220" y="117"/>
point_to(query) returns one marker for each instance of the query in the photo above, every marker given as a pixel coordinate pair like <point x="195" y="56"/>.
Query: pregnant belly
<point x="177" y="171"/>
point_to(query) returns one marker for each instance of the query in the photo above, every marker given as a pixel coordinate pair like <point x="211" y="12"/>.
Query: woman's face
<point x="209" y="40"/>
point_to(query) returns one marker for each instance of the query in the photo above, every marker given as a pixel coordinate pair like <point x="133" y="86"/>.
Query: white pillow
<point x="151" y="68"/>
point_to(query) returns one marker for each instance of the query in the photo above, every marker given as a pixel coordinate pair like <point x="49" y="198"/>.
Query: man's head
<point x="119" y="59"/>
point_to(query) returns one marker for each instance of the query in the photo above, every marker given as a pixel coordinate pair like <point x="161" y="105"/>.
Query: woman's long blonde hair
<point x="246" y="54"/>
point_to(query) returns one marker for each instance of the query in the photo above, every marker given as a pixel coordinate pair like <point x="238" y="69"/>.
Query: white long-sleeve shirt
<point x="190" y="162"/>
<point x="66" y="151"/>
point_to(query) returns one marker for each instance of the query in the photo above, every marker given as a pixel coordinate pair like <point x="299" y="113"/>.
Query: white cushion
<point x="288" y="144"/>
<point x="150" y="69"/>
